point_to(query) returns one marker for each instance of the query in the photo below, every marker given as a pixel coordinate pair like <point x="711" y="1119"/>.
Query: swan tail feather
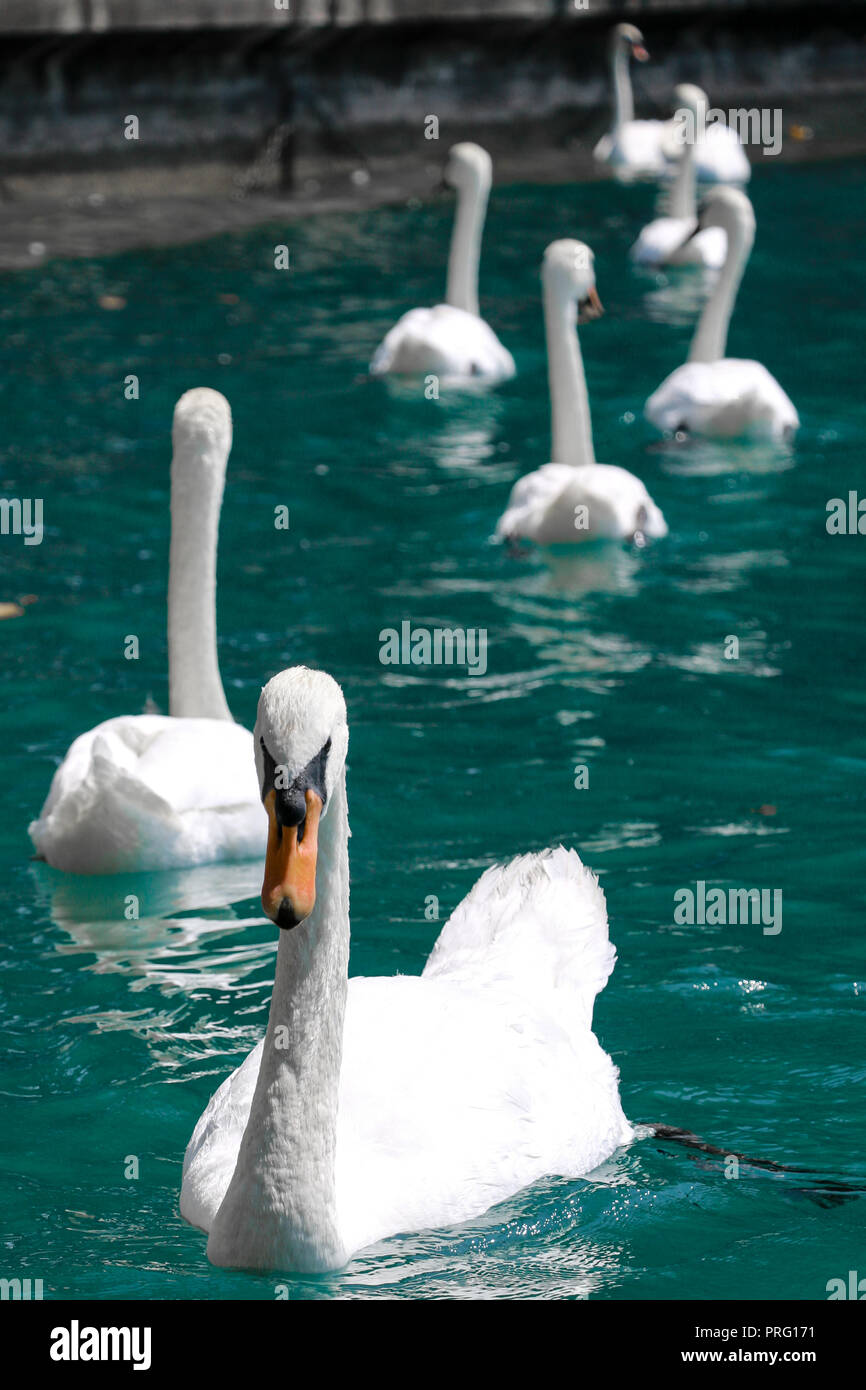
<point x="535" y="928"/>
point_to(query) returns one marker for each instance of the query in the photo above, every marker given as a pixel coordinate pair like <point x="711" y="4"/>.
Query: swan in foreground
<point x="575" y="498"/>
<point x="673" y="238"/>
<point x="452" y="341"/>
<point x="375" y="1106"/>
<point x="711" y="394"/>
<point x="642" y="148"/>
<point x="149" y="791"/>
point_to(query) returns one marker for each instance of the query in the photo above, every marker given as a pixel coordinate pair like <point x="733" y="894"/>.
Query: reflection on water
<point x="707" y="458"/>
<point x="589" y="568"/>
<point x="677" y="296"/>
<point x="185" y="936"/>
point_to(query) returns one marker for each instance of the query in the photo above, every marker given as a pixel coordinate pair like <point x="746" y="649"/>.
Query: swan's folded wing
<point x="446" y="341"/>
<point x="728" y="398"/>
<point x="532" y="498"/>
<point x="147" y="791"/>
<point x="536" y="927"/>
<point x="212" y="1152"/>
<point x="399" y="342"/>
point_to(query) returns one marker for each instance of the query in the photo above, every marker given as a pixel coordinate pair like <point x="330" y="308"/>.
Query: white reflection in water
<point x="186" y="935"/>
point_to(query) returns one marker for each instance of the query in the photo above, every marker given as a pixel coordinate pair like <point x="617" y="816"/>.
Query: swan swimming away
<point x="673" y="238"/>
<point x="451" y="340"/>
<point x="152" y="791"/>
<point x="642" y="148"/>
<point x="574" y="499"/>
<point x="727" y="397"/>
<point x="377" y="1106"/>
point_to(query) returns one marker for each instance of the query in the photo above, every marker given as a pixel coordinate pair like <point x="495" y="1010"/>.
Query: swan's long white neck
<point x="570" y="422"/>
<point x="623" y="102"/>
<point x="711" y="335"/>
<point x="280" y="1210"/>
<point x="681" y="198"/>
<point x="194" y="685"/>
<point x="463" y="258"/>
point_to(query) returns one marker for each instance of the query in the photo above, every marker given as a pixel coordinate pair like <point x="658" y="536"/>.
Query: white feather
<point x="727" y="399"/>
<point x="450" y="343"/>
<point x="544" y="504"/>
<point x="148" y="791"/>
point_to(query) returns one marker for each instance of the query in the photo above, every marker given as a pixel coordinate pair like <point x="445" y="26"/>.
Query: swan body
<point x="574" y="498"/>
<point x="634" y="148"/>
<point x="669" y="241"/>
<point x="642" y="148"/>
<point x="544" y="506"/>
<point x="151" y="791"/>
<point x="451" y="340"/>
<point x="720" y="158"/>
<point x="404" y="1103"/>
<point x="727" y="400"/>
<point x="454" y="345"/>
<point x="711" y="394"/>
<point x="673" y="239"/>
<point x="156" y="792"/>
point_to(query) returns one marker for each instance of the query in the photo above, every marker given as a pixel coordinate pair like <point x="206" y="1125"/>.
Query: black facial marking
<point x="286" y="917"/>
<point x="290" y="806"/>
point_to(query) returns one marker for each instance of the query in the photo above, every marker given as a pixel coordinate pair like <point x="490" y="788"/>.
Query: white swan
<point x="451" y="340"/>
<point x="150" y="791"/>
<point x="632" y="147"/>
<point x="711" y="394"/>
<point x="575" y="498"/>
<point x="642" y="148"/>
<point x="673" y="239"/>
<point x="375" y="1106"/>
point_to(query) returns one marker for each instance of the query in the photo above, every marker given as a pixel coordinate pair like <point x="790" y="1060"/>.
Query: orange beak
<point x="640" y="53"/>
<point x="289" y="889"/>
<point x="590" y="308"/>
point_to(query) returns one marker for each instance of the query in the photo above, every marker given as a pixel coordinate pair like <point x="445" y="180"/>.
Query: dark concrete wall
<point x="246" y="107"/>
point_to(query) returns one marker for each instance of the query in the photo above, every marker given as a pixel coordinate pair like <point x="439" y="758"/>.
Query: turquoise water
<point x="745" y="773"/>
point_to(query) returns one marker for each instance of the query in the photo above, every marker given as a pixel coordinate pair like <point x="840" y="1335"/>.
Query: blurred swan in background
<point x="152" y="791"/>
<point x="669" y="240"/>
<point x="712" y="394"/>
<point x="374" y="1106"/>
<point x="642" y="148"/>
<point x="574" y="498"/>
<point x="632" y="147"/>
<point x="451" y="340"/>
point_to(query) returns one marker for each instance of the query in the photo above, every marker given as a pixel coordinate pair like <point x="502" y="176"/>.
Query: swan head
<point x="568" y="269"/>
<point x="629" y="37"/>
<point x="202" y="427"/>
<point x="468" y="165"/>
<point x="728" y="208"/>
<point x="691" y="98"/>
<point x="301" y="740"/>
